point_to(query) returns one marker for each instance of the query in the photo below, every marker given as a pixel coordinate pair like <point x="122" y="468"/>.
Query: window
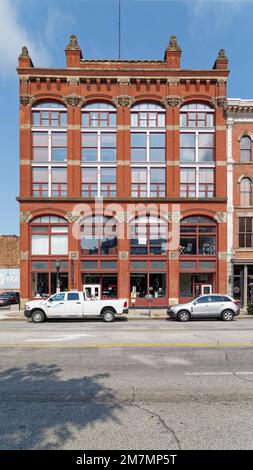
<point x="245" y="232"/>
<point x="245" y="192"/>
<point x="148" y="235"/>
<point x="57" y="297"/>
<point x="148" y="147"/>
<point x="73" y="296"/>
<point x="148" y="283"/>
<point x="49" y="236"/>
<point x="99" y="115"/>
<point x="196" y="115"/>
<point x="49" y="114"/>
<point x="49" y="147"/>
<point x="147" y="115"/>
<point x="197" y="155"/>
<point x="98" y="236"/>
<point x="98" y="147"/>
<point x="197" y="237"/>
<point x="203" y="300"/>
<point x="98" y="181"/>
<point x="148" y="182"/>
<point x="245" y="149"/>
<point x="196" y="147"/>
<point x="197" y="182"/>
<point x="49" y="181"/>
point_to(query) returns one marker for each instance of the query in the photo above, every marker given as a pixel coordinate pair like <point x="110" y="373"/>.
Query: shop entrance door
<point x="203" y="289"/>
<point x="92" y="291"/>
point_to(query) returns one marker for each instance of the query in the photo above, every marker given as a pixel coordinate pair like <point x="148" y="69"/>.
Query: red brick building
<point x="240" y="211"/>
<point x="136" y="132"/>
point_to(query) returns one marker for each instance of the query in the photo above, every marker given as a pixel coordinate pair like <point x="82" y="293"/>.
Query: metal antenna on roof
<point x="119" y="29"/>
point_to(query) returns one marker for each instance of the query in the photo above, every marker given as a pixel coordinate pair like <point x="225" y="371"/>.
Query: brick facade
<point x="9" y="251"/>
<point x="240" y="134"/>
<point x="124" y="85"/>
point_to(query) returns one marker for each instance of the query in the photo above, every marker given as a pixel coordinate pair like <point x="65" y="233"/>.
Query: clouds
<point x="37" y="30"/>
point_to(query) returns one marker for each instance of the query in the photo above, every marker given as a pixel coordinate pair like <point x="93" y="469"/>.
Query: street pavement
<point x="127" y="385"/>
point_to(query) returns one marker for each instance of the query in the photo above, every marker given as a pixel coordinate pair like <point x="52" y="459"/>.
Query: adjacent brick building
<point x="136" y="132"/>
<point x="9" y="263"/>
<point x="240" y="204"/>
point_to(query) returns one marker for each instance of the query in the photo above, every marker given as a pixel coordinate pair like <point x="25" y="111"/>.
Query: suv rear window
<point x="226" y="299"/>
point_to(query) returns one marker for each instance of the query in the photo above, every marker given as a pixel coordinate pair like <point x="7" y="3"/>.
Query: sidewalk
<point x="142" y="314"/>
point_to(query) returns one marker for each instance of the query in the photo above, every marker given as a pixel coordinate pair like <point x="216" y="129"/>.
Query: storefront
<point x="197" y="257"/>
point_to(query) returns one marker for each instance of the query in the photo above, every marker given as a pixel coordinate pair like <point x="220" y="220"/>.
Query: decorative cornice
<point x="123" y="100"/>
<point x="172" y="101"/>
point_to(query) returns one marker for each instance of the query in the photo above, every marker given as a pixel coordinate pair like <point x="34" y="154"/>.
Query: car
<point x="4" y="300"/>
<point x="74" y="304"/>
<point x="13" y="296"/>
<point x="206" y="306"/>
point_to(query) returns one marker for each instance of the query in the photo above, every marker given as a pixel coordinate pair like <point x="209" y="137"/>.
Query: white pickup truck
<point x="73" y="304"/>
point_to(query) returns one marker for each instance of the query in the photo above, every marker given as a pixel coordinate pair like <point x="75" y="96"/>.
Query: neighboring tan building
<point x="240" y="203"/>
<point x="9" y="263"/>
<point x="135" y="132"/>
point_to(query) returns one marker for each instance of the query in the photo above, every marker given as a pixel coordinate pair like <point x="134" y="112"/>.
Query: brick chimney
<point x="24" y="60"/>
<point x="73" y="52"/>
<point x="221" y="62"/>
<point x="173" y="54"/>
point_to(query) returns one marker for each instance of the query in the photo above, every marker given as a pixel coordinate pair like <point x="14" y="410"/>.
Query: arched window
<point x="197" y="157"/>
<point x="245" y="192"/>
<point x="148" y="247"/>
<point x="148" y="150"/>
<point x="147" y="115"/>
<point x="49" y="114"/>
<point x="98" y="236"/>
<point x="49" y="255"/>
<point x="49" y="148"/>
<point x="245" y="149"/>
<point x="197" y="256"/>
<point x="197" y="236"/>
<point x="49" y="236"/>
<point x="99" y="150"/>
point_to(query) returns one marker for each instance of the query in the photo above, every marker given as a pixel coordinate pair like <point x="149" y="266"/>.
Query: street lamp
<point x="57" y="264"/>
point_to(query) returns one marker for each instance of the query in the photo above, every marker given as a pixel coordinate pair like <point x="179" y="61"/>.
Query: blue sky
<point x="202" y="28"/>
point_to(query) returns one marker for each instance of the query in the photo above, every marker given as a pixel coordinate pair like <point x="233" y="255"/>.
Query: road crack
<point x="157" y="415"/>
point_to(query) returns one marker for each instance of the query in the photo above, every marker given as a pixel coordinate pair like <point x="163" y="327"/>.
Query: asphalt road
<point x="128" y="385"/>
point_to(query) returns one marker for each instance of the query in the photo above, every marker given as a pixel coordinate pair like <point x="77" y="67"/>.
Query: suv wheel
<point x="227" y="315"/>
<point x="108" y="316"/>
<point x="38" y="316"/>
<point x="183" y="316"/>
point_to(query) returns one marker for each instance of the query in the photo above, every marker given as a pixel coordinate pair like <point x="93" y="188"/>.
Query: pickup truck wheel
<point x="38" y="316"/>
<point x="108" y="316"/>
<point x="183" y="316"/>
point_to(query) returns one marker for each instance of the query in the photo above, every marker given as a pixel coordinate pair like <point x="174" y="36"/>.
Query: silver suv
<point x="206" y="306"/>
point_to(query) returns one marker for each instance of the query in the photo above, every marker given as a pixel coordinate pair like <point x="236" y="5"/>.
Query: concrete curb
<point x="19" y="316"/>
